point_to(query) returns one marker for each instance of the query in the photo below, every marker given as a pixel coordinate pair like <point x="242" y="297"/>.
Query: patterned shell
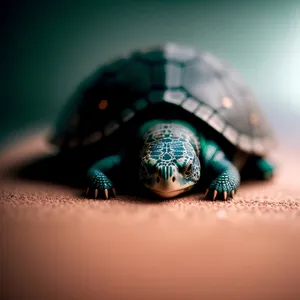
<point x="196" y="82"/>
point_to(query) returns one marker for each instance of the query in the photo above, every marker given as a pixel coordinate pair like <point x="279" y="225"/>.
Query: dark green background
<point x="48" y="47"/>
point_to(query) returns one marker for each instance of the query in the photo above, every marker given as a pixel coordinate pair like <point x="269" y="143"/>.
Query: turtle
<point x="167" y="120"/>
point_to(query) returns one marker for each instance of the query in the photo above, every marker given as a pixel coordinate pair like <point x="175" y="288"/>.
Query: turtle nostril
<point x="157" y="179"/>
<point x="173" y="178"/>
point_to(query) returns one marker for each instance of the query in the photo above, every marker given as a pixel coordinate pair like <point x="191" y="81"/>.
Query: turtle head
<point x="169" y="169"/>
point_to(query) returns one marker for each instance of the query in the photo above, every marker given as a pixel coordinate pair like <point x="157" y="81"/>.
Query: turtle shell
<point x="188" y="83"/>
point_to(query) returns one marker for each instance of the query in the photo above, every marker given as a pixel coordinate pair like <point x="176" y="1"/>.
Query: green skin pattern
<point x="173" y="158"/>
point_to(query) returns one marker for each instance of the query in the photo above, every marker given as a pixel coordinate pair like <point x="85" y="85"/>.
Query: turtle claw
<point x="229" y="195"/>
<point x="222" y="188"/>
<point x="206" y="192"/>
<point x="110" y="192"/>
<point x="99" y="185"/>
<point x="215" y="195"/>
<point x="225" y="195"/>
<point x="106" y="193"/>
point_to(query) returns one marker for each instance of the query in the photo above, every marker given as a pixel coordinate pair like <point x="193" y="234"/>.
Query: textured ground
<point x="60" y="246"/>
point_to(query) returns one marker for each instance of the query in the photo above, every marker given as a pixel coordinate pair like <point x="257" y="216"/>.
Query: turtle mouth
<point x="170" y="194"/>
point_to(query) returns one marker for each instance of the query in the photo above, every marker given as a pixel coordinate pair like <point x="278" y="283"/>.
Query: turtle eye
<point x="188" y="169"/>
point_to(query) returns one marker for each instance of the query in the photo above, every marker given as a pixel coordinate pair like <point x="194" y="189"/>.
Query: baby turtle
<point x="167" y="119"/>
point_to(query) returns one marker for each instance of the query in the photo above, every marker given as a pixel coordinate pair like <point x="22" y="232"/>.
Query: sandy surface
<point x="57" y="245"/>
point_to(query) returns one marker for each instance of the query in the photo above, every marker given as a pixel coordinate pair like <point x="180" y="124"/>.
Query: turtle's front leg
<point x="99" y="185"/>
<point x="223" y="177"/>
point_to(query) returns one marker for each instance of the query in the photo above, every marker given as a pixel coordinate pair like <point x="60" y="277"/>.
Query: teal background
<point x="50" y="46"/>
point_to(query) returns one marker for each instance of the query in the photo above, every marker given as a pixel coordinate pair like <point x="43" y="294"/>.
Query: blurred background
<point x="48" y="47"/>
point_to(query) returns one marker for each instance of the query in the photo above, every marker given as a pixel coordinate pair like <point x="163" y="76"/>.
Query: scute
<point x="178" y="76"/>
<point x="202" y="84"/>
<point x="175" y="97"/>
<point x="179" y="53"/>
<point x="136" y="77"/>
<point x="173" y="75"/>
<point x="211" y="81"/>
<point x="153" y="55"/>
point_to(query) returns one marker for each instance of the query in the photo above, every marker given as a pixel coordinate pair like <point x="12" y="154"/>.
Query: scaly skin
<point x="99" y="183"/>
<point x="172" y="157"/>
<point x="172" y="148"/>
<point x="169" y="158"/>
<point x="222" y="175"/>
